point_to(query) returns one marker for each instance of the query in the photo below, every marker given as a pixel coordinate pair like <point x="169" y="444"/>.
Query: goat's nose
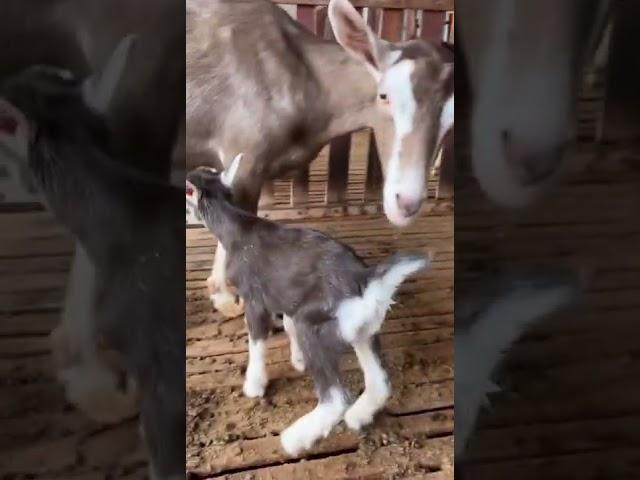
<point x="533" y="163"/>
<point x="409" y="206"/>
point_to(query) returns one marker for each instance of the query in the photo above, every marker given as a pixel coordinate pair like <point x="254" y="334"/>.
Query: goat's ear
<point x="355" y="36"/>
<point x="98" y="90"/>
<point x="230" y="172"/>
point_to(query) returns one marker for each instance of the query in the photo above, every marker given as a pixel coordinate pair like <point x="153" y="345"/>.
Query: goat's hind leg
<point x="92" y="382"/>
<point x="377" y="388"/>
<point x="322" y="359"/>
<point x="297" y="357"/>
<point x="224" y="299"/>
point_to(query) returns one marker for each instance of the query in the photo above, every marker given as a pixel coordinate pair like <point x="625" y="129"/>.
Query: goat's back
<point x="249" y="79"/>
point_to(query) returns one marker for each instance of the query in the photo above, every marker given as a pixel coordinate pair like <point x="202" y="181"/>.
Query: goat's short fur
<point x="131" y="228"/>
<point x="329" y="297"/>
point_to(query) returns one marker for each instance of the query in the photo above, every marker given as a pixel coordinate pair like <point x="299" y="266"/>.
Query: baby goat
<point x="131" y="229"/>
<point x="329" y="298"/>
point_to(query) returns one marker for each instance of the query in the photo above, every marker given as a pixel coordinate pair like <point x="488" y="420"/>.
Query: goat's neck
<point x="349" y="89"/>
<point x="227" y="222"/>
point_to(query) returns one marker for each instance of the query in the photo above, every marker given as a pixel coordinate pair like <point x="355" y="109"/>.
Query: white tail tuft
<point x="479" y="348"/>
<point x="361" y="317"/>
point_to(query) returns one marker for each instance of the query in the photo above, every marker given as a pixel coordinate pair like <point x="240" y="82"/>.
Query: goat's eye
<point x="383" y="97"/>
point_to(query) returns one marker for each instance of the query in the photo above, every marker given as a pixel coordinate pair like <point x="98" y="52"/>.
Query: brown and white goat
<point x="259" y="83"/>
<point x="525" y="61"/>
<point x="331" y="301"/>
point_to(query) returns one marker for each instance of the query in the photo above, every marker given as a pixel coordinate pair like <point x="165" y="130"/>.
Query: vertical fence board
<point x="374" y="178"/>
<point x="411" y="24"/>
<point x="392" y="24"/>
<point x="432" y="25"/>
<point x="338" y="169"/>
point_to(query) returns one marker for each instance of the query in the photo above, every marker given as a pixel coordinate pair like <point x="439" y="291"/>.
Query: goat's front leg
<point x="322" y="358"/>
<point x="93" y="379"/>
<point x="224" y="299"/>
<point x="297" y="358"/>
<point x="377" y="389"/>
<point x="256" y="379"/>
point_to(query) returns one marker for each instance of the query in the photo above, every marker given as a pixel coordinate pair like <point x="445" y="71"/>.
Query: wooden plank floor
<point x="232" y="437"/>
<point x="571" y="409"/>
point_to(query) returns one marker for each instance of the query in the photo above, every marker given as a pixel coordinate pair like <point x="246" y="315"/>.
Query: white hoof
<point x="93" y="389"/>
<point x="356" y="419"/>
<point x="254" y="388"/>
<point x="294" y="440"/>
<point x="225" y="303"/>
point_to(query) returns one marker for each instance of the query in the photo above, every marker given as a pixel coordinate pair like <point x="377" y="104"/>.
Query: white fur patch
<point x="408" y="182"/>
<point x="446" y="118"/>
<point x="256" y="379"/>
<point x="297" y="358"/>
<point x="313" y="426"/>
<point x="78" y="312"/>
<point x="376" y="391"/>
<point x="480" y="349"/>
<point x="92" y="388"/>
<point x="361" y="317"/>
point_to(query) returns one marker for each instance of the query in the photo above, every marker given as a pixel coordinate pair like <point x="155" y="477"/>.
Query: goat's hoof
<point x="254" y="389"/>
<point x="94" y="390"/>
<point x="293" y="443"/>
<point x="227" y="304"/>
<point x="355" y="419"/>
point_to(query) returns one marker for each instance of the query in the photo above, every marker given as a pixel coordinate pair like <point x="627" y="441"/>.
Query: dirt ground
<point x="230" y="436"/>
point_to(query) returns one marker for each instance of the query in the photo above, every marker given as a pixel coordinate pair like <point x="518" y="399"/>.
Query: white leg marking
<point x="256" y="378"/>
<point x="297" y="359"/>
<point x="91" y="387"/>
<point x="376" y="391"/>
<point x="219" y="293"/>
<point x="317" y="424"/>
<point x="78" y="313"/>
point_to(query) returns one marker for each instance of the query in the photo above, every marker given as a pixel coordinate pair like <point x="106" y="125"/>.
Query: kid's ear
<point x="230" y="173"/>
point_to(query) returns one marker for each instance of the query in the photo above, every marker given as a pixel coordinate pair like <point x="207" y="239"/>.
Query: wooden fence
<point x="393" y="20"/>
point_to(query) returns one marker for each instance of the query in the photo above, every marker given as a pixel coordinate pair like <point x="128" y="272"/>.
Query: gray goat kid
<point x="131" y="228"/>
<point x="329" y="298"/>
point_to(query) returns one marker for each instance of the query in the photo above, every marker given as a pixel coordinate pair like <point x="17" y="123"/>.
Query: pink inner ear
<point x="8" y="125"/>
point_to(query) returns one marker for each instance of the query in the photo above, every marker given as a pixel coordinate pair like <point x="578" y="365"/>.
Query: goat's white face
<point x="414" y="85"/>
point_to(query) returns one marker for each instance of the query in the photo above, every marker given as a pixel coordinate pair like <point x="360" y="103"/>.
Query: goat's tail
<point x="488" y="325"/>
<point x="362" y="316"/>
